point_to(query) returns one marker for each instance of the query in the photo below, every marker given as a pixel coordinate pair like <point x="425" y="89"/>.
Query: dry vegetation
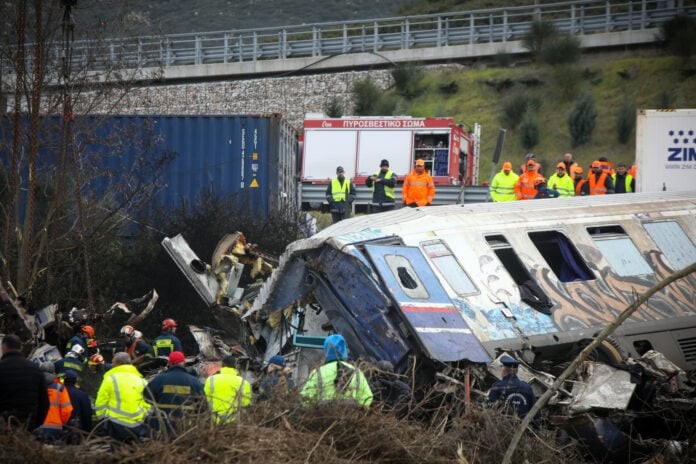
<point x="285" y="432"/>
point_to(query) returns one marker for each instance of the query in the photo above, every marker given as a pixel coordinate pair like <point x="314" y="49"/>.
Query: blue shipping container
<point x="249" y="159"/>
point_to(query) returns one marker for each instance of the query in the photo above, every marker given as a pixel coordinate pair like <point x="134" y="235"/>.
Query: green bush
<point x="567" y="79"/>
<point x="515" y="108"/>
<point x="563" y="49"/>
<point x="626" y="121"/>
<point x="529" y="130"/>
<point x="407" y="79"/>
<point x="365" y="95"/>
<point x="582" y="120"/>
<point x="679" y="35"/>
<point x="386" y="105"/>
<point x="540" y="34"/>
<point x="502" y="58"/>
<point x="448" y="88"/>
<point x="334" y="107"/>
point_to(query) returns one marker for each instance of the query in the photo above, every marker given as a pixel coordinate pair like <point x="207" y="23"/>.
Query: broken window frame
<point x="450" y="268"/>
<point x="557" y="261"/>
<point x="401" y="267"/>
<point x="674" y="244"/>
<point x="609" y="238"/>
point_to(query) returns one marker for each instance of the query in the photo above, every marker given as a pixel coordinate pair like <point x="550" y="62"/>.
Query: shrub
<point x="564" y="49"/>
<point x="502" y="58"/>
<point x="582" y="119"/>
<point x="365" y="96"/>
<point x="567" y="79"/>
<point x="540" y="33"/>
<point x="679" y="35"/>
<point x="529" y="130"/>
<point x="625" y="121"/>
<point x="516" y="107"/>
<point x="386" y="104"/>
<point x="334" y="107"/>
<point x="407" y="79"/>
<point x="448" y="88"/>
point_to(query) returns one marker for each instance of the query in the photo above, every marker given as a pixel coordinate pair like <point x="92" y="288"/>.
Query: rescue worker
<point x="607" y="166"/>
<point x="340" y="193"/>
<point x="543" y="191"/>
<point x="120" y="402"/>
<point x="600" y="182"/>
<point x="515" y="395"/>
<point x="86" y="333"/>
<point x="633" y="171"/>
<point x="81" y="417"/>
<point x="59" y="410"/>
<point x="337" y="379"/>
<point x="227" y="392"/>
<point x="582" y="188"/>
<point x="525" y="165"/>
<point x="166" y="343"/>
<point x="73" y="360"/>
<point x="175" y="390"/>
<point x="277" y="379"/>
<point x="382" y="184"/>
<point x="418" y="188"/>
<point x="96" y="363"/>
<point x="569" y="163"/>
<point x="561" y="182"/>
<point x="623" y="181"/>
<point x="389" y="391"/>
<point x="525" y="188"/>
<point x="136" y="348"/>
<point x="503" y="184"/>
<point x="23" y="396"/>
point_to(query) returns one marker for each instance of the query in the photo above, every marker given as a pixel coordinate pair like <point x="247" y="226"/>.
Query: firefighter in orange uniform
<point x="419" y="188"/>
<point x="525" y="188"/>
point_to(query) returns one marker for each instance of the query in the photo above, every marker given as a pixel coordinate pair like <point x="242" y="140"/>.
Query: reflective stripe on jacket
<point x="418" y="189"/>
<point x="503" y="186"/>
<point x="60" y="408"/>
<point x="564" y="185"/>
<point x="165" y="343"/>
<point x="227" y="392"/>
<point x="340" y="192"/>
<point x="628" y="181"/>
<point x="120" y="397"/>
<point x="598" y="185"/>
<point x="524" y="188"/>
<point x="388" y="189"/>
<point x="322" y="385"/>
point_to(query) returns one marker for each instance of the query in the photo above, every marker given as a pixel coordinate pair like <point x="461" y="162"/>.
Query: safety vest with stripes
<point x="388" y="191"/>
<point x="503" y="186"/>
<point x="597" y="185"/>
<point x="120" y="397"/>
<point x="564" y="185"/>
<point x="60" y="408"/>
<point x="226" y="393"/>
<point x="340" y="192"/>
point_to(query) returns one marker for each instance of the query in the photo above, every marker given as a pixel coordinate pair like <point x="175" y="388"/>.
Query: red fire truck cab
<point x="360" y="143"/>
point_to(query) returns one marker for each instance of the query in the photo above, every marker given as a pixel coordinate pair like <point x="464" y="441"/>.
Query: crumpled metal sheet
<point x="602" y="386"/>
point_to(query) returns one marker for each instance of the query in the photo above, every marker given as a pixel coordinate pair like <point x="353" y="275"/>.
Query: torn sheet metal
<point x="133" y="311"/>
<point x="602" y="386"/>
<point x="195" y="270"/>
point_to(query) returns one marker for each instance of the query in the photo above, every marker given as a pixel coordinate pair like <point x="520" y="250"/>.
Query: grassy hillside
<point x="609" y="78"/>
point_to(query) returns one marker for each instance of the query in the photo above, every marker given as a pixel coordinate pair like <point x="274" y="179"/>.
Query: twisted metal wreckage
<point x="443" y="292"/>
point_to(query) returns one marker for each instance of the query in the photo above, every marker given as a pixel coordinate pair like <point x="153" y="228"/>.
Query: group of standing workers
<point x="418" y="190"/>
<point x="566" y="181"/>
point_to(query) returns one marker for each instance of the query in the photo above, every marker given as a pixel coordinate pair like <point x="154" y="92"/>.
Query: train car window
<point x="453" y="272"/>
<point x="562" y="256"/>
<point x="530" y="292"/>
<point x="404" y="273"/>
<point x="619" y="251"/>
<point x="674" y="243"/>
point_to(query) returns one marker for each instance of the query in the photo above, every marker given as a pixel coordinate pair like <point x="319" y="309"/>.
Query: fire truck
<point x="359" y="144"/>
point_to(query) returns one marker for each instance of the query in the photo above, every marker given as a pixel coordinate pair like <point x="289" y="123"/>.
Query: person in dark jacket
<point x="543" y="191"/>
<point x="382" y="184"/>
<point x="175" y="391"/>
<point x="390" y="392"/>
<point x="81" y="417"/>
<point x="277" y="379"/>
<point x="166" y="343"/>
<point x="23" y="395"/>
<point x="515" y="395"/>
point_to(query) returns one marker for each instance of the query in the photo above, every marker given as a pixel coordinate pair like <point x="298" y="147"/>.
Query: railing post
<point x="572" y="19"/>
<point x="490" y="27"/>
<point x="316" y="45"/>
<point x="607" y="16"/>
<point x="582" y="20"/>
<point x="255" y="45"/>
<point x="630" y="16"/>
<point x="439" y="31"/>
<point x="281" y="44"/>
<point x="199" y="53"/>
<point x="404" y="35"/>
<point x="139" y="53"/>
<point x="226" y="45"/>
<point x="447" y="32"/>
<point x="643" y="13"/>
<point x="471" y="29"/>
<point x="363" y="37"/>
<point x="345" y="38"/>
<point x="505" y="25"/>
<point x="240" y="42"/>
<point x="375" y="45"/>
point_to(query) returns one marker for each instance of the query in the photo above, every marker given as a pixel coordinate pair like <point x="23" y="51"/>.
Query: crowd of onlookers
<point x="567" y="179"/>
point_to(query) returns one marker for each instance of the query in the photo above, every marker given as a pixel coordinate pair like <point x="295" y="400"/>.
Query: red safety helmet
<point x="168" y="324"/>
<point x="87" y="330"/>
<point x="96" y="360"/>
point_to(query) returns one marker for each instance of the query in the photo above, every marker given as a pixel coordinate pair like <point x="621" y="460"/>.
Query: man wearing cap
<point x="514" y="394"/>
<point x="382" y="184"/>
<point x="175" y="390"/>
<point x="527" y="158"/>
<point x="525" y="188"/>
<point x="561" y="182"/>
<point x="599" y="180"/>
<point x="503" y="184"/>
<point x="340" y="194"/>
<point x="623" y="181"/>
<point x="582" y="188"/>
<point x="419" y="188"/>
<point x="277" y="379"/>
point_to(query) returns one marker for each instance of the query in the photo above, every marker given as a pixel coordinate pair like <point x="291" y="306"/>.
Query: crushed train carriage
<point x="466" y="282"/>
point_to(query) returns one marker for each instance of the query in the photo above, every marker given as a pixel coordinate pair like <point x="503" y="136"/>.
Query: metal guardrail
<point x="314" y="194"/>
<point x="372" y="36"/>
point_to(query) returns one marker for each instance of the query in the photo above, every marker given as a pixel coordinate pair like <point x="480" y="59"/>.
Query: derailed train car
<point x="464" y="283"/>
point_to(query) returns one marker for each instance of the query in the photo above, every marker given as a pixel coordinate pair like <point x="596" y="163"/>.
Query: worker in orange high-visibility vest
<point x="525" y="188"/>
<point x="418" y="188"/>
<point x="599" y="180"/>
